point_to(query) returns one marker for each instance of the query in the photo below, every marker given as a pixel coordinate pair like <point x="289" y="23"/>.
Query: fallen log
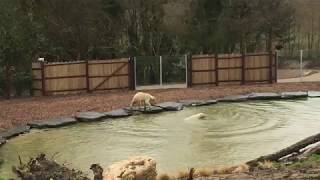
<point x="284" y="152"/>
<point x="310" y="151"/>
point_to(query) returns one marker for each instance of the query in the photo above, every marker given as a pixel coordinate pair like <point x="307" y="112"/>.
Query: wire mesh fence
<point x="157" y="71"/>
<point x="299" y="66"/>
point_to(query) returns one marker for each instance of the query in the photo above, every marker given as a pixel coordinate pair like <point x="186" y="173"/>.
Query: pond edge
<point x="90" y="117"/>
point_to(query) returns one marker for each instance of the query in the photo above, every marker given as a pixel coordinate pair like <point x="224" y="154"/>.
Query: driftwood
<point x="308" y="152"/>
<point x="43" y="168"/>
<point x="284" y="152"/>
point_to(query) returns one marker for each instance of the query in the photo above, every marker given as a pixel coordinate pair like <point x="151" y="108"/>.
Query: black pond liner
<point x="159" y="108"/>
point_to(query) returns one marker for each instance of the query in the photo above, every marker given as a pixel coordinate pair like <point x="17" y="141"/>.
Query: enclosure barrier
<point x="98" y="75"/>
<point x="80" y="76"/>
<point x="232" y="68"/>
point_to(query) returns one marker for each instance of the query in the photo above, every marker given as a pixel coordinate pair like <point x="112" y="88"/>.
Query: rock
<point x="149" y="110"/>
<point x="171" y="106"/>
<point x="2" y="141"/>
<point x="90" y="116"/>
<point x="14" y="132"/>
<point x="53" y="123"/>
<point x="119" y="113"/>
<point x="264" y="96"/>
<point x="314" y="94"/>
<point x="196" y="103"/>
<point x="235" y="98"/>
<point x="139" y="168"/>
<point x="294" y="95"/>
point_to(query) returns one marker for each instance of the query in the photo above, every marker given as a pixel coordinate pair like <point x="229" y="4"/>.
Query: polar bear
<point x="143" y="99"/>
<point x="196" y="116"/>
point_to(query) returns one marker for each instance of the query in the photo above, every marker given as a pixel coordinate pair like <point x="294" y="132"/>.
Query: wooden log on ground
<point x="284" y="152"/>
<point x="310" y="151"/>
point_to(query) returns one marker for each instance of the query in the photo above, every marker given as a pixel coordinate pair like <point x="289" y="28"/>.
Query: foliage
<point x="63" y="30"/>
<point x="312" y="161"/>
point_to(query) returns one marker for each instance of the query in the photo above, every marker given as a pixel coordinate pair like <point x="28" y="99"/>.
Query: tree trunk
<point x="289" y="150"/>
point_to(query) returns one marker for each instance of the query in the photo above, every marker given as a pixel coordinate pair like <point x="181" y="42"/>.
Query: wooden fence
<point x="232" y="68"/>
<point x="81" y="76"/>
<point x="98" y="75"/>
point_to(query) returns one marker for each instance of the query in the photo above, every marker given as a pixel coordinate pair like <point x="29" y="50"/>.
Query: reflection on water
<point x="231" y="134"/>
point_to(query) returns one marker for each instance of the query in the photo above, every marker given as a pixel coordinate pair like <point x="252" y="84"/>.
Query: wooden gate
<point x="81" y="76"/>
<point x="107" y="75"/>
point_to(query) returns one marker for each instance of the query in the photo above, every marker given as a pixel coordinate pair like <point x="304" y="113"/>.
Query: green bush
<point x="22" y="82"/>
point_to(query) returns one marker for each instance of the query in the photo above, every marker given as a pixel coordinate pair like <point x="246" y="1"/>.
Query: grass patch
<point x="311" y="162"/>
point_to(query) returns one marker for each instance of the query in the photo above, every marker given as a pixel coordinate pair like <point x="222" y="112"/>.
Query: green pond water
<point x="232" y="134"/>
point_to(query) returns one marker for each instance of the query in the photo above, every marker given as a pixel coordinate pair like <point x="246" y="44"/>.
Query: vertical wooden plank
<point x="216" y="58"/>
<point x="270" y="67"/>
<point x="189" y="67"/>
<point x="276" y="67"/>
<point x="131" y="74"/>
<point x="87" y="77"/>
<point x="243" y="78"/>
<point x="43" y="79"/>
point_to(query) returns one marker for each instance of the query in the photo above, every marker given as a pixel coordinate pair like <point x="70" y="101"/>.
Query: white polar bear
<point x="143" y="99"/>
<point x="196" y="117"/>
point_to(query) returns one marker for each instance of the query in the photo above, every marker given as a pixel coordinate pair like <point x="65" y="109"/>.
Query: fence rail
<point x="99" y="75"/>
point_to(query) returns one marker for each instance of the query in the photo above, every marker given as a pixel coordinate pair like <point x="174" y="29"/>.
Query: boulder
<point x="139" y="168"/>
<point x="170" y="106"/>
<point x="90" y="116"/>
<point x="264" y="96"/>
<point x="148" y="110"/>
<point x="119" y="113"/>
<point x="235" y="98"/>
<point x="196" y="103"/>
<point x="53" y="123"/>
<point x="14" y="132"/>
<point x="294" y="95"/>
<point x="2" y="141"/>
<point x="314" y="94"/>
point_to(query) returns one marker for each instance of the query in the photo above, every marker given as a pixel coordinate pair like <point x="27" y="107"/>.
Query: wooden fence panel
<point x="234" y="68"/>
<point x="230" y="68"/>
<point x="97" y="75"/>
<point x="69" y="77"/>
<point x="36" y="79"/>
<point x="257" y="68"/>
<point x="64" y="77"/>
<point x="203" y="69"/>
<point x="109" y="74"/>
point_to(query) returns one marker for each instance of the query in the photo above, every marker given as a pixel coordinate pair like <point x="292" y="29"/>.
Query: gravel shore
<point x="18" y="112"/>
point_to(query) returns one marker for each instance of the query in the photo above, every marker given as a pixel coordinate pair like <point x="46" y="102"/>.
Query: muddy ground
<point x="21" y="111"/>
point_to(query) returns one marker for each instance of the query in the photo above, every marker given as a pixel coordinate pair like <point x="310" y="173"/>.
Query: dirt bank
<point x="21" y="111"/>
